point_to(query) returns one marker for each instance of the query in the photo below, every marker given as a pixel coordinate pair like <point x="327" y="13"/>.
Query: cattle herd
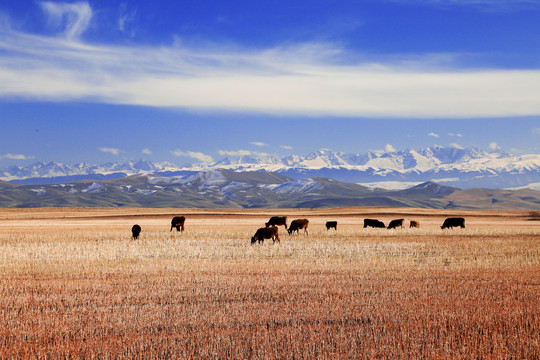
<point x="270" y="231"/>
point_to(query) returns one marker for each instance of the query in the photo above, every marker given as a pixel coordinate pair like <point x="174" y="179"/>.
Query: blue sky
<point x="189" y="81"/>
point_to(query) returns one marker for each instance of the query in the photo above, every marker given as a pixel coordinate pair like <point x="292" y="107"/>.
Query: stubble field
<point x="73" y="284"/>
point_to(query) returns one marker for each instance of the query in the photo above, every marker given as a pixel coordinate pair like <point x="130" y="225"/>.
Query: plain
<point x="74" y="284"/>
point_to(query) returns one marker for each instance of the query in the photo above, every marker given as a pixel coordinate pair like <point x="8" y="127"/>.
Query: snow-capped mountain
<point x="82" y="170"/>
<point x="451" y="166"/>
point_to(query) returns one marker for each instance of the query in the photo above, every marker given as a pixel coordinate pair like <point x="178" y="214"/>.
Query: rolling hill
<point x="222" y="188"/>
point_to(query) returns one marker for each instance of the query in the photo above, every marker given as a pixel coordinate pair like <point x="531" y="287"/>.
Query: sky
<point x="194" y="81"/>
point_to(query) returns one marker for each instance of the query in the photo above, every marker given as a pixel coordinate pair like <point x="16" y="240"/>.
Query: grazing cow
<point x="178" y="223"/>
<point x="298" y="224"/>
<point x="373" y="223"/>
<point x="277" y="220"/>
<point x="414" y="224"/>
<point x="453" y="222"/>
<point x="135" y="231"/>
<point x="265" y="233"/>
<point x="330" y="225"/>
<point x="395" y="223"/>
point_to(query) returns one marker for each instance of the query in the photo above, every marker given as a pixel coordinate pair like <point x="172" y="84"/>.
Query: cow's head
<point x="253" y="240"/>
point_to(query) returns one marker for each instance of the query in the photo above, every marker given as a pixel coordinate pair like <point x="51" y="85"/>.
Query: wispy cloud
<point x="241" y="153"/>
<point x="494" y="146"/>
<point x="113" y="151"/>
<point x="433" y="134"/>
<point x="235" y="152"/>
<point x="308" y="79"/>
<point x="147" y="151"/>
<point x="456" y="146"/>
<point x="71" y="19"/>
<point x="16" y="156"/>
<point x="258" y="143"/>
<point x="194" y="155"/>
<point x="389" y="148"/>
<point x="458" y="134"/>
<point x="286" y="147"/>
<point x="127" y="17"/>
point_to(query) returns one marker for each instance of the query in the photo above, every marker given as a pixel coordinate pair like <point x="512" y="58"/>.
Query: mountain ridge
<point x="464" y="168"/>
<point x="221" y="188"/>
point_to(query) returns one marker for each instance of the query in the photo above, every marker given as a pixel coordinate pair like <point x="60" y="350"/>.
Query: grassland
<point x="74" y="285"/>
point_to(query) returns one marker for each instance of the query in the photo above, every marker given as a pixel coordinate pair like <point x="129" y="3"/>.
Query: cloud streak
<point x="303" y="79"/>
<point x="194" y="155"/>
<point x="110" y="150"/>
<point x="16" y="157"/>
<point x="72" y="18"/>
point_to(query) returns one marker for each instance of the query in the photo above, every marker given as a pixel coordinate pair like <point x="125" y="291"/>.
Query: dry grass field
<point x="74" y="284"/>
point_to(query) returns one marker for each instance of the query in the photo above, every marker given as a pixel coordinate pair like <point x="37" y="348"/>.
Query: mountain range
<point x="221" y="188"/>
<point x="451" y="166"/>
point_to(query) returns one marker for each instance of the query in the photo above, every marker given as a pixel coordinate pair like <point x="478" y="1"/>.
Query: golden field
<point x="74" y="284"/>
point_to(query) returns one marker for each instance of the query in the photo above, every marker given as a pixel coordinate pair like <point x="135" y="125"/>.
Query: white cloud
<point x="433" y="134"/>
<point x="147" y="151"/>
<point x="16" y="156"/>
<point x="126" y="17"/>
<point x="456" y="146"/>
<point x="307" y="79"/>
<point x="72" y="18"/>
<point x="389" y="148"/>
<point x="235" y="152"/>
<point x="110" y="150"/>
<point x="286" y="147"/>
<point x="193" y="154"/>
<point x="458" y="134"/>
<point x="258" y="143"/>
<point x="494" y="146"/>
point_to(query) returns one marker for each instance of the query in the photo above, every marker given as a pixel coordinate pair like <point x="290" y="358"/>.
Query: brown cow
<point x="270" y="232"/>
<point x="414" y="224"/>
<point x="178" y="223"/>
<point x="298" y="224"/>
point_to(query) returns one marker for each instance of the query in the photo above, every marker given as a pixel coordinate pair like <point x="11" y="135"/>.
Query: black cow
<point x="331" y="224"/>
<point x="135" y="231"/>
<point x="265" y="233"/>
<point x="395" y="223"/>
<point x="453" y="222"/>
<point x="277" y="220"/>
<point x="178" y="223"/>
<point x="298" y="224"/>
<point x="373" y="223"/>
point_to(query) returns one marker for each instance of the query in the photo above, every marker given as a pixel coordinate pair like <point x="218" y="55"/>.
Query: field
<point x="73" y="284"/>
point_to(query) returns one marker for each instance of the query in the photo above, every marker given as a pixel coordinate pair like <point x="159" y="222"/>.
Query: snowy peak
<point x="471" y="167"/>
<point x="323" y="158"/>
